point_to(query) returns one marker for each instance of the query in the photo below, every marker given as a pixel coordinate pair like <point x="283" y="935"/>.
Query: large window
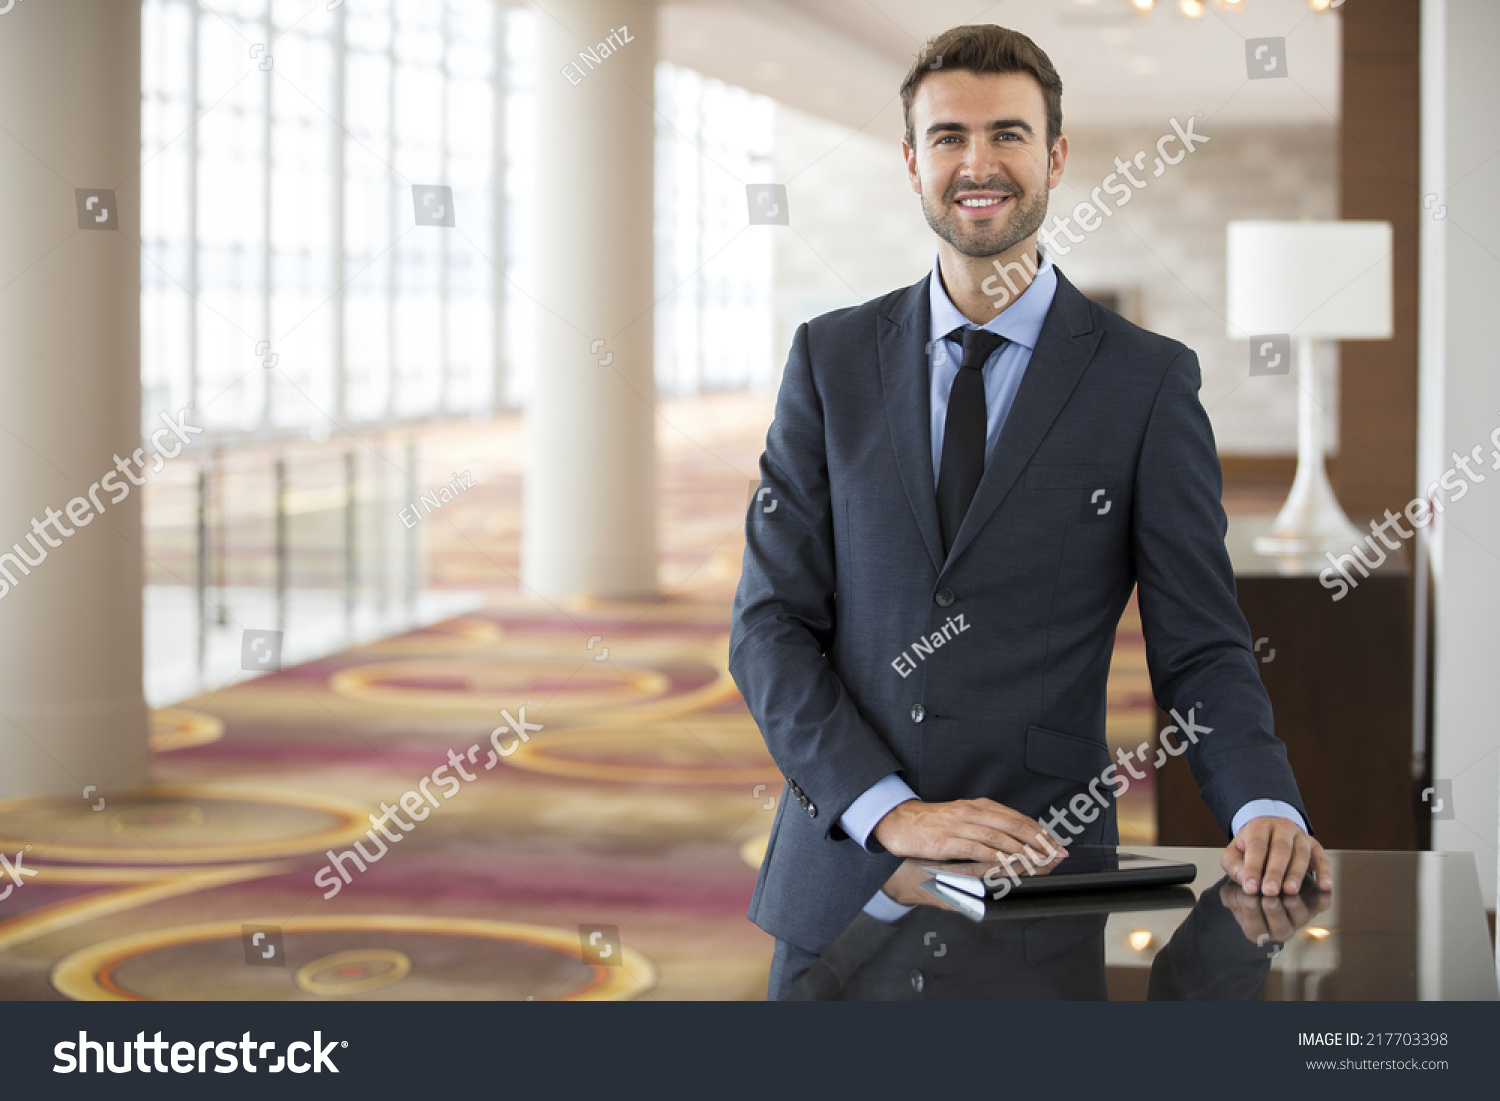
<point x="282" y="142"/>
<point x="285" y="286"/>
<point x="713" y="271"/>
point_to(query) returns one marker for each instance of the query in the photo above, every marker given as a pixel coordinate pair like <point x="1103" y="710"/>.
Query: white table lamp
<point x="1293" y="283"/>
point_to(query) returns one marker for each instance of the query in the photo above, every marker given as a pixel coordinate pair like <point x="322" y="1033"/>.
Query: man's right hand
<point x="979" y="830"/>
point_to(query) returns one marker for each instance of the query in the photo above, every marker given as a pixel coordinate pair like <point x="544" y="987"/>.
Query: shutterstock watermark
<point x="1088" y="805"/>
<point x="15" y="871"/>
<point x="1087" y="214"/>
<point x="82" y="511"/>
<point x="420" y="802"/>
<point x="1419" y="512"/>
<point x="189" y="1057"/>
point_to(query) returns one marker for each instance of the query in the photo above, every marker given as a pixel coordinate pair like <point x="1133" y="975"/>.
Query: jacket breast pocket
<point x="1097" y="492"/>
<point x="1070" y="476"/>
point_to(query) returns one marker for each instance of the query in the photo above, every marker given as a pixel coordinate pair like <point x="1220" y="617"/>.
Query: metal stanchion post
<point x="382" y="522"/>
<point x="351" y="517"/>
<point x="200" y="563"/>
<point x="413" y="567"/>
<point x="281" y="547"/>
<point x="220" y="501"/>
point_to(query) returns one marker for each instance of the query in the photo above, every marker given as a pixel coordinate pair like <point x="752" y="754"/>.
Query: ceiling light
<point x="1139" y="939"/>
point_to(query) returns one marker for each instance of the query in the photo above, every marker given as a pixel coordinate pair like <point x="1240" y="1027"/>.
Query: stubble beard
<point x="985" y="241"/>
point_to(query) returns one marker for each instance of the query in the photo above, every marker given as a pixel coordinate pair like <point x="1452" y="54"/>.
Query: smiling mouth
<point x="986" y="204"/>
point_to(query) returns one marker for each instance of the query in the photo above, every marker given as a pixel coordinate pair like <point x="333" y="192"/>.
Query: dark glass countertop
<point x="1397" y="926"/>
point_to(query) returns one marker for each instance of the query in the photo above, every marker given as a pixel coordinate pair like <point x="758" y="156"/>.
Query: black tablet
<point x="1079" y="903"/>
<point x="1086" y="868"/>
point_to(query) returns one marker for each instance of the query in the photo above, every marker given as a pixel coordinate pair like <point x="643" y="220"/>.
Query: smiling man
<point x="988" y="448"/>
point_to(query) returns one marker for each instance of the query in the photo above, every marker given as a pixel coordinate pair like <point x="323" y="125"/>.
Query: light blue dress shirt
<point x="1021" y="326"/>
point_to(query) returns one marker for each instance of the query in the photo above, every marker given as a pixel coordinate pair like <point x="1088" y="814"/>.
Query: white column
<point x="1459" y="413"/>
<point x="71" y="707"/>
<point x="590" y="517"/>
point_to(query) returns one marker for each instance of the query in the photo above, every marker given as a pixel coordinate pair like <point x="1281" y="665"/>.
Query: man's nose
<point x="981" y="163"/>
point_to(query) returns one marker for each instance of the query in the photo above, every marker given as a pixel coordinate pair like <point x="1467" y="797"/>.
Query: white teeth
<point x="980" y="202"/>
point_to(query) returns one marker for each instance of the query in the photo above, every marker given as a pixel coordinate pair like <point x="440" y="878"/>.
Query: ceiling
<point x="844" y="59"/>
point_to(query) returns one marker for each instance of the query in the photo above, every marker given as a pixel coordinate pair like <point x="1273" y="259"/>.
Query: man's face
<point x="979" y="158"/>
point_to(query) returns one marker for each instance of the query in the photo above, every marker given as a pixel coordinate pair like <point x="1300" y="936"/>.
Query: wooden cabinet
<point x="1340" y="677"/>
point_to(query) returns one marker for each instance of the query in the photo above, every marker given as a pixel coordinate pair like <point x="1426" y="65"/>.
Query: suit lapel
<point x="1063" y="352"/>
<point x="905" y="384"/>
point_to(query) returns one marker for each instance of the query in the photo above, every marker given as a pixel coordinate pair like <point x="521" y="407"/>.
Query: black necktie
<point x="962" y="462"/>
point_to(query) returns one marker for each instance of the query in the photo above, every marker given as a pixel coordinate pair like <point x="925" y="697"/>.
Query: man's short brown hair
<point x="986" y="48"/>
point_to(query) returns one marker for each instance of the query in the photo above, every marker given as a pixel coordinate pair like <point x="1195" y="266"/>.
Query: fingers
<point x="959" y="848"/>
<point x="997" y="840"/>
<point x="1323" y="869"/>
<point x="1253" y="866"/>
<point x="1008" y="850"/>
<point x="1278" y="856"/>
<point x="997" y="843"/>
<point x="1232" y="859"/>
<point x="1272" y="856"/>
<point x="1296" y="868"/>
<point x="1006" y="831"/>
<point x="1003" y="820"/>
<point x="978" y="830"/>
<point x="1265" y="918"/>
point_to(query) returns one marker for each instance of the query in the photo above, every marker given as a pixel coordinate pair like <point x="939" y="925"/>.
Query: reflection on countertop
<point x="1397" y="926"/>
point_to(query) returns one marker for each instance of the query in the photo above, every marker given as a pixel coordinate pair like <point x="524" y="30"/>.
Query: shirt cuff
<point x="1264" y="808"/>
<point x="865" y="813"/>
<point x="885" y="909"/>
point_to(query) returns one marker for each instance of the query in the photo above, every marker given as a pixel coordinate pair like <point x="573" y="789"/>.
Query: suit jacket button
<point x="944" y="597"/>
<point x="918" y="713"/>
<point x="812" y="811"/>
<point x="918" y="980"/>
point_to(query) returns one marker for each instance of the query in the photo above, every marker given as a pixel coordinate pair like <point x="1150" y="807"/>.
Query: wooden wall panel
<point x="1375" y="468"/>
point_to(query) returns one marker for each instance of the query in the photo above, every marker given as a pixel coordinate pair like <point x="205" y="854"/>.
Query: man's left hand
<point x="1271" y="855"/>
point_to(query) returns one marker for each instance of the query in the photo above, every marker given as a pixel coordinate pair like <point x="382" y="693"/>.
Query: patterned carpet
<point x="609" y="854"/>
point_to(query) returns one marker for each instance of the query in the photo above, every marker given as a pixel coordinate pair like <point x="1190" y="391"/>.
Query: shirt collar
<point x="1020" y="323"/>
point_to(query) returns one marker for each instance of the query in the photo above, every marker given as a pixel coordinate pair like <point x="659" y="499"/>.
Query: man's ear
<point x="910" y="156"/>
<point x="1056" y="160"/>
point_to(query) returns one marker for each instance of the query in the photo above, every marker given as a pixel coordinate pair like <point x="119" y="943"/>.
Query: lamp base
<point x="1311" y="521"/>
<point x="1303" y="542"/>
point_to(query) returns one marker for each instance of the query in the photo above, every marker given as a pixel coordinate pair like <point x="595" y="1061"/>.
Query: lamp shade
<point x="1327" y="280"/>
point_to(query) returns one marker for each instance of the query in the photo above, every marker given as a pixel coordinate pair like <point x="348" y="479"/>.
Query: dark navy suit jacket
<point x="844" y="570"/>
